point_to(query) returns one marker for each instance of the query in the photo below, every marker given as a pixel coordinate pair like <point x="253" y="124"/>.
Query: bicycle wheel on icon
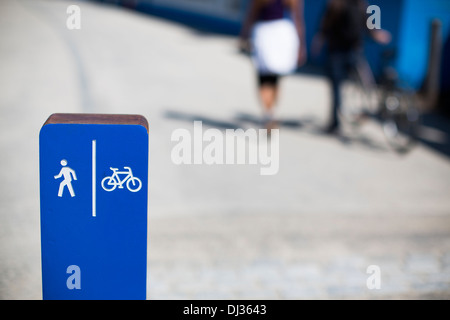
<point x="109" y="184"/>
<point x="134" y="184"/>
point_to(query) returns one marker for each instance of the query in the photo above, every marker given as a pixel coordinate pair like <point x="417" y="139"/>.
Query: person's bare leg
<point x="268" y="95"/>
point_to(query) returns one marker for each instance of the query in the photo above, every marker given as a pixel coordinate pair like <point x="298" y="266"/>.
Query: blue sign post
<point x="93" y="190"/>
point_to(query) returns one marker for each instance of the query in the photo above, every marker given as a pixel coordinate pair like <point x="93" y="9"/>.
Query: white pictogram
<point x="67" y="173"/>
<point x="111" y="183"/>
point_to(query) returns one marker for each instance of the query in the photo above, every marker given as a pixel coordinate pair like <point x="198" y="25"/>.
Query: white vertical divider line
<point x="94" y="178"/>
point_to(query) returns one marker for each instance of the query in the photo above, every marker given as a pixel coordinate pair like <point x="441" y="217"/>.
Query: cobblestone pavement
<point x="336" y="207"/>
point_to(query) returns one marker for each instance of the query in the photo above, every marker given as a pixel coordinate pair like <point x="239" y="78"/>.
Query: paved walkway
<point x="335" y="208"/>
<point x="299" y="256"/>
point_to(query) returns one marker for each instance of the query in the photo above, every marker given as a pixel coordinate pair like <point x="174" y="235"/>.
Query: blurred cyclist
<point x="343" y="28"/>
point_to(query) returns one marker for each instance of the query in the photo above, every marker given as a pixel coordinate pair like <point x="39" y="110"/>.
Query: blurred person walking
<point x="343" y="28"/>
<point x="276" y="31"/>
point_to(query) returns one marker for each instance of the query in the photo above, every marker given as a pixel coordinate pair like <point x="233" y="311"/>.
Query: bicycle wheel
<point x="134" y="184"/>
<point x="355" y="101"/>
<point x="400" y="119"/>
<point x="109" y="184"/>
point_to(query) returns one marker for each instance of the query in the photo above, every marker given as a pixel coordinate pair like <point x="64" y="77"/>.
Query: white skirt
<point x="275" y="47"/>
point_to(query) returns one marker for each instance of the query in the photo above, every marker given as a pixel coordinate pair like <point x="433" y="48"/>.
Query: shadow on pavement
<point x="306" y="125"/>
<point x="239" y="121"/>
<point x="435" y="132"/>
<point x="207" y="121"/>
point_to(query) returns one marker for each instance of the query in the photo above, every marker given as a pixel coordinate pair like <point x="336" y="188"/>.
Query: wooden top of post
<point x="92" y="118"/>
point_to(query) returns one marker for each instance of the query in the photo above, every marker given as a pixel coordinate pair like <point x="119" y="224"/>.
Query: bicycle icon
<point x="112" y="182"/>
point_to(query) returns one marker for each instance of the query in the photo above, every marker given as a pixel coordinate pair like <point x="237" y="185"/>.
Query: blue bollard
<point x="94" y="194"/>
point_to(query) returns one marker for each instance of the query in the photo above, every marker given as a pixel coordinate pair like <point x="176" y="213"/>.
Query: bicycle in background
<point x="390" y="102"/>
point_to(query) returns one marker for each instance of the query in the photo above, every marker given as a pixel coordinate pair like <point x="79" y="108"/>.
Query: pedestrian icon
<point x="67" y="173"/>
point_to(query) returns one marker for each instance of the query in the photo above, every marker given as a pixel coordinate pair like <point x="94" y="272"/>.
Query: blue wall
<point x="390" y="16"/>
<point x="216" y="23"/>
<point x="414" y="39"/>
